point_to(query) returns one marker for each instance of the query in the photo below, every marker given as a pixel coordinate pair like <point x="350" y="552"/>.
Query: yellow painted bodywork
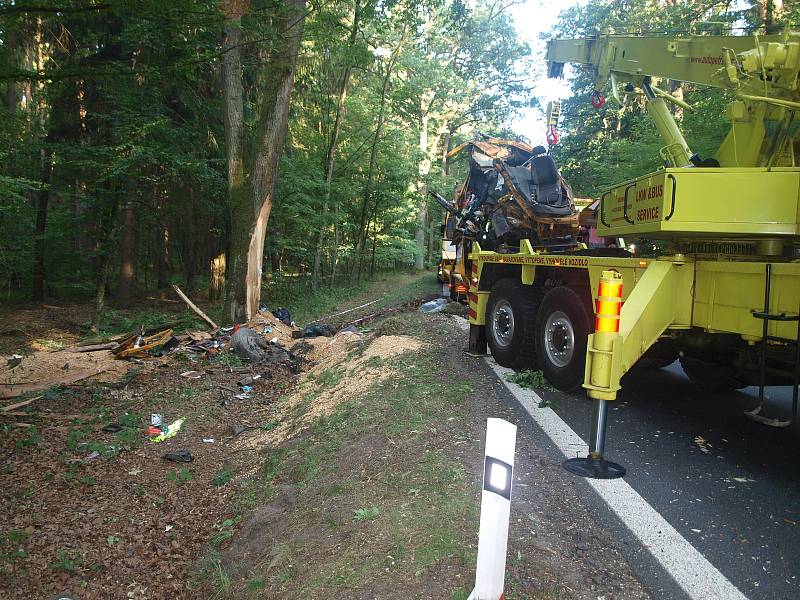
<point x="704" y="202"/>
<point x="662" y="295"/>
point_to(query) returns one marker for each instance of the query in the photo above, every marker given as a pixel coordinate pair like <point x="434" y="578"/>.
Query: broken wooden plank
<point x="91" y="347"/>
<point x="194" y="308"/>
<point x="147" y="343"/>
<point x="64" y="379"/>
<point x="20" y="404"/>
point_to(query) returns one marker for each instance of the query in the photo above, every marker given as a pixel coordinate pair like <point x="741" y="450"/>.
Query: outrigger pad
<point x="594" y="468"/>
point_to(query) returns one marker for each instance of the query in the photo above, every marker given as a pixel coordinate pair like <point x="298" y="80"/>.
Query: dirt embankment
<point x="358" y="477"/>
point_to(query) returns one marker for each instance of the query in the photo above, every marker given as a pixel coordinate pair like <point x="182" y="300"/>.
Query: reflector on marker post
<point x="498" y="474"/>
<point x="608" y="307"/>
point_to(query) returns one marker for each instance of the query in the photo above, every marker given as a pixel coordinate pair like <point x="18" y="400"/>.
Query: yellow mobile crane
<point x="723" y="293"/>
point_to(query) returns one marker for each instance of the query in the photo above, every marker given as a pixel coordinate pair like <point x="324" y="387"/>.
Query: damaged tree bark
<point x="250" y="205"/>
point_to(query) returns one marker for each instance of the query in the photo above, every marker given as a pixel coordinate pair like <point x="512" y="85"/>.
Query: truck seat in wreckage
<point x="515" y="192"/>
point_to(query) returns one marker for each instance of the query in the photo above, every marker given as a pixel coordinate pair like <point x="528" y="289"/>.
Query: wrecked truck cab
<point x="513" y="192"/>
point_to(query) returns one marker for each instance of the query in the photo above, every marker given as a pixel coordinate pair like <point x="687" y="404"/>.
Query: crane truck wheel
<point x="510" y="324"/>
<point x="711" y="377"/>
<point x="563" y="324"/>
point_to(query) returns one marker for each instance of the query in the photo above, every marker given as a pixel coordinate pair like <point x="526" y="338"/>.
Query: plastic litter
<point x="283" y="315"/>
<point x="434" y="306"/>
<point x="191" y="374"/>
<point x="208" y="440"/>
<point x="181" y="456"/>
<point x="172" y="429"/>
<point x="247" y="388"/>
<point x="316" y="330"/>
<point x="112" y="428"/>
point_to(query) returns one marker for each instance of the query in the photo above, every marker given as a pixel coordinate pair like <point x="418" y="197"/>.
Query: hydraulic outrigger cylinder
<point x="599" y="368"/>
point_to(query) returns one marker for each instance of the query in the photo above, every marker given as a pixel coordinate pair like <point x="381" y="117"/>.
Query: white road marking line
<point x="688" y="567"/>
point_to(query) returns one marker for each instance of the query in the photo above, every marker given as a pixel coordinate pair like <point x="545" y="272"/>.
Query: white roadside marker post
<point x="498" y="474"/>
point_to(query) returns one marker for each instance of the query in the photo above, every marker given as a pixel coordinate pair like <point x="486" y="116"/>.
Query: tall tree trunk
<point x="163" y="266"/>
<point x="423" y="169"/>
<point x="330" y="155"/>
<point x="446" y="135"/>
<point x="233" y="111"/>
<point x="250" y="215"/>
<point x="42" y="199"/>
<point x="217" y="283"/>
<point x="336" y="241"/>
<point x="10" y="52"/>
<point x="374" y="244"/>
<point x="431" y="241"/>
<point x="126" y="251"/>
<point x="107" y="222"/>
<point x="373" y="158"/>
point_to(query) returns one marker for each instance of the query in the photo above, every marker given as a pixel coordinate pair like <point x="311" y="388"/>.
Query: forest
<point x="251" y="150"/>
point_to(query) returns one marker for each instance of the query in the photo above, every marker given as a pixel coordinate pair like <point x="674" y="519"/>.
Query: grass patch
<point x="365" y="514"/>
<point x="223" y="477"/>
<point x="307" y="304"/>
<point x="12" y="549"/>
<point x="528" y="378"/>
<point x="179" y="476"/>
<point x="229" y="359"/>
<point x="65" y="562"/>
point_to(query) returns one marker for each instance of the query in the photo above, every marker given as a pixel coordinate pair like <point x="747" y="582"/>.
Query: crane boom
<point x="762" y="72"/>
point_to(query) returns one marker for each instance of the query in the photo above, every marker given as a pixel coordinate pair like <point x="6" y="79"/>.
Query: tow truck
<point x="447" y="253"/>
<point x="721" y="289"/>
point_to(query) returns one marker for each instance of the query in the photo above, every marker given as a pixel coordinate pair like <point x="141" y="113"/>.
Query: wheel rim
<point x="559" y="339"/>
<point x="502" y="322"/>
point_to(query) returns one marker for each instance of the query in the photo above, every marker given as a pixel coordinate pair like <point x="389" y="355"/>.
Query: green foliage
<point x="224" y="532"/>
<point x="223" y="477"/>
<point x="365" y="514"/>
<point x="179" y="476"/>
<point x="30" y="439"/>
<point x="65" y="562"/>
<point x="528" y="378"/>
<point x="12" y="548"/>
<point x="229" y="359"/>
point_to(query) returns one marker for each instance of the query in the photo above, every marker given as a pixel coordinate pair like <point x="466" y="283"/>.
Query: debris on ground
<point x="247" y="344"/>
<point x="140" y="343"/>
<point x="434" y="306"/>
<point x="315" y="330"/>
<point x="180" y="456"/>
<point x="171" y="430"/>
<point x="283" y="315"/>
<point x="265" y="339"/>
<point x="194" y="308"/>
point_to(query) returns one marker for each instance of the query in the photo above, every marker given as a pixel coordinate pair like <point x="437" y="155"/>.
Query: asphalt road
<point x="728" y="485"/>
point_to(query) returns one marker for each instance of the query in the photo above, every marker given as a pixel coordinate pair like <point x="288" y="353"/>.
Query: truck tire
<point x="563" y="324"/>
<point x="510" y="324"/>
<point x="711" y="377"/>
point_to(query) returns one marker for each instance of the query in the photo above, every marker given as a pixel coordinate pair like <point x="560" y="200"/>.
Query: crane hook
<point x="552" y="136"/>
<point x="598" y="100"/>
